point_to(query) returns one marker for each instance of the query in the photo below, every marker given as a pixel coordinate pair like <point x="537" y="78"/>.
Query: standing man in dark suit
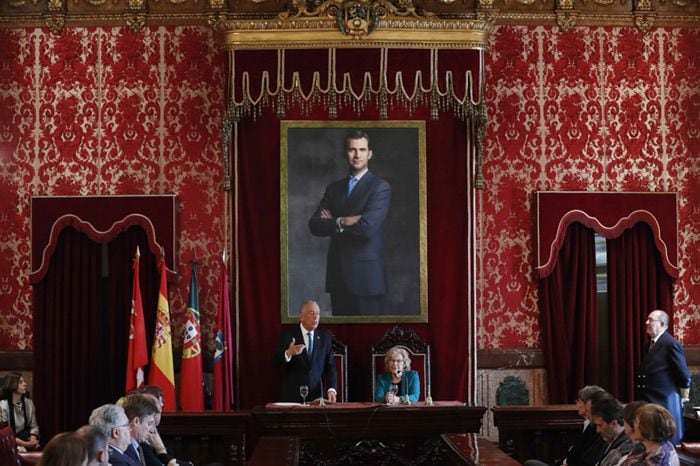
<point x="664" y="378"/>
<point x="352" y="212"/>
<point x="305" y="353"/>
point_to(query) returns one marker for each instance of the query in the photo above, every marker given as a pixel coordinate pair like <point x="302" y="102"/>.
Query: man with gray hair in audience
<point x="111" y="420"/>
<point x="95" y="443"/>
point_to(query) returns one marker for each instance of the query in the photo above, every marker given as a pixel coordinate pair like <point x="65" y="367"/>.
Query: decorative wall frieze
<point x="55" y="22"/>
<point x="354" y="19"/>
<point x="21" y="3"/>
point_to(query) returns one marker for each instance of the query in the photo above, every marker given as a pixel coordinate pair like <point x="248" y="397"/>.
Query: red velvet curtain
<point x="81" y="325"/>
<point x="258" y="220"/>
<point x="637" y="284"/>
<point x="569" y="317"/>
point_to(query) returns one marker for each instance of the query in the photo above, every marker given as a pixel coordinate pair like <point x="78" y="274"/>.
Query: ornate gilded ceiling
<point x="228" y="15"/>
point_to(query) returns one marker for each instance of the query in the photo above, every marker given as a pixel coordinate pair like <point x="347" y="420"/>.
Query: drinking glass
<point x="393" y="390"/>
<point x="304" y="392"/>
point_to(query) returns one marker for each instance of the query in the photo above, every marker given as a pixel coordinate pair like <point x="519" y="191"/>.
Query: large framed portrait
<point x="355" y="246"/>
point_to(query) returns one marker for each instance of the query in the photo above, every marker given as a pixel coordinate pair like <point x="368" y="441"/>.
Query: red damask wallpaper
<point x="608" y="109"/>
<point x="106" y="111"/>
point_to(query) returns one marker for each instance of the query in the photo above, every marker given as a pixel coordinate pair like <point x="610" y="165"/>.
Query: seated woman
<point x="19" y="412"/>
<point x="654" y="427"/>
<point x="629" y="414"/>
<point x="397" y="365"/>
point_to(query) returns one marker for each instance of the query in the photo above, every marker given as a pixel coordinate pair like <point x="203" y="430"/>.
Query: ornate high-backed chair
<point x="340" y="353"/>
<point x="418" y="351"/>
<point x="8" y="448"/>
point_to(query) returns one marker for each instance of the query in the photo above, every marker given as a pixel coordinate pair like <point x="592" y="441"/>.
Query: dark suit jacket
<point x="120" y="459"/>
<point x="664" y="370"/>
<point x="154" y="459"/>
<point x="355" y="256"/>
<point x="151" y="457"/>
<point x="302" y="370"/>
<point x="587" y="449"/>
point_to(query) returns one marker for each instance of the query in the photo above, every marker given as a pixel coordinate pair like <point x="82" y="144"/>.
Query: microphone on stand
<point x="405" y="390"/>
<point x="321" y="401"/>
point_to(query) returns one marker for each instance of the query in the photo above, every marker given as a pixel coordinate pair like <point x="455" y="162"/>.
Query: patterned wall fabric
<point x="590" y="109"/>
<point x="106" y="111"/>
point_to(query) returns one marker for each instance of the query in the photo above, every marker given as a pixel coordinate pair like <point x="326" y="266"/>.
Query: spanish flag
<point x="162" y="373"/>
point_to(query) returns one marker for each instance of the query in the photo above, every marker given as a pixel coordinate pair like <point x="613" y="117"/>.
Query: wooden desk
<point x="692" y="428"/>
<point x="470" y="449"/>
<point x="448" y="450"/>
<point x="367" y="420"/>
<point x="206" y="437"/>
<point x="536" y="432"/>
<point x="276" y="451"/>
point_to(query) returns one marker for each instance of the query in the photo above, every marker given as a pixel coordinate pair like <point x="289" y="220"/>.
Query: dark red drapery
<point x="637" y="285"/>
<point x="259" y="261"/>
<point x="81" y="325"/>
<point x="609" y="214"/>
<point x="569" y="317"/>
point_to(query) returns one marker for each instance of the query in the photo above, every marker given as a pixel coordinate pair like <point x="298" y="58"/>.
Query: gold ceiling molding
<point x="321" y="23"/>
<point x="355" y="24"/>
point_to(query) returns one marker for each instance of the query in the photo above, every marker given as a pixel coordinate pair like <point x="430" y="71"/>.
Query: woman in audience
<point x="397" y="365"/>
<point x="19" y="412"/>
<point x="653" y="428"/>
<point x="629" y="414"/>
<point x="64" y="449"/>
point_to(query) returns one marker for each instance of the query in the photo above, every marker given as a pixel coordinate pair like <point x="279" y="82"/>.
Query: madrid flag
<point x="138" y="352"/>
<point x="222" y="391"/>
<point x="191" y="382"/>
<point x="162" y="373"/>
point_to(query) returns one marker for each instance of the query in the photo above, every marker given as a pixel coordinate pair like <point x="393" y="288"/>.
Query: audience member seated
<point x="154" y="448"/>
<point x="654" y="427"/>
<point x="606" y="414"/>
<point x="19" y="412"/>
<point x="95" y="444"/>
<point x="141" y="412"/>
<point x="64" y="449"/>
<point x="397" y="365"/>
<point x="629" y="414"/>
<point x="588" y="447"/>
<point x="111" y="420"/>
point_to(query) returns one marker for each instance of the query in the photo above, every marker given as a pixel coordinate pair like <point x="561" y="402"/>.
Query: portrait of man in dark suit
<point x="354" y="212"/>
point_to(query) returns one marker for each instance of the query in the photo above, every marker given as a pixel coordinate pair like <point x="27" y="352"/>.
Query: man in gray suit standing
<point x="352" y="213"/>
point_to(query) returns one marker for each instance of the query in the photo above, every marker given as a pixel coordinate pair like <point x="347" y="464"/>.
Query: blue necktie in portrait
<point x="351" y="185"/>
<point x="311" y="343"/>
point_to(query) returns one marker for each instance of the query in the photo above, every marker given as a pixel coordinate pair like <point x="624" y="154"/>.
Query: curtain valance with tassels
<point x="332" y="79"/>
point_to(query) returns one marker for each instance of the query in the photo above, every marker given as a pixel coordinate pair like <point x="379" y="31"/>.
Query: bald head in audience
<point x="96" y="445"/>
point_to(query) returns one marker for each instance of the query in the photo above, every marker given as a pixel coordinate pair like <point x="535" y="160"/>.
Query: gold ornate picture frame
<point x="312" y="157"/>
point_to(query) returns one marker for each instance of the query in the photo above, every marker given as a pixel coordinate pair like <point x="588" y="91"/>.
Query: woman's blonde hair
<point x="397" y="351"/>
